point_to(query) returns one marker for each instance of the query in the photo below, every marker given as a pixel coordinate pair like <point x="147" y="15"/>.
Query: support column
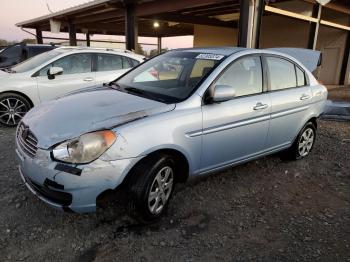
<point x="314" y="27"/>
<point x="159" y="44"/>
<point x="87" y="39"/>
<point x="131" y="31"/>
<point x="345" y="71"/>
<point x="258" y="14"/>
<point x="243" y="23"/>
<point x="72" y="34"/>
<point x="39" y="36"/>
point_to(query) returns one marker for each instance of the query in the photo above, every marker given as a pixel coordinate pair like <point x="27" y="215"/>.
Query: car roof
<point x="226" y="51"/>
<point x="77" y="49"/>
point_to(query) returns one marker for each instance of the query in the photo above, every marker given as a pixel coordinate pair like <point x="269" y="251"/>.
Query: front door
<point x="237" y="129"/>
<point x="77" y="74"/>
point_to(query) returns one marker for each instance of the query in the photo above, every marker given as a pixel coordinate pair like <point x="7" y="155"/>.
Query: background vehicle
<point x="55" y="73"/>
<point x="18" y="53"/>
<point x="208" y="109"/>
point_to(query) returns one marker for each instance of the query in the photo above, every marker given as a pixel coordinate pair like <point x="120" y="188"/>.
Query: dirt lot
<point x="266" y="210"/>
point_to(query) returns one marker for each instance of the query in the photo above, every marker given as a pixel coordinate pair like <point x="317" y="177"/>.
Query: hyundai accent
<point x="182" y="114"/>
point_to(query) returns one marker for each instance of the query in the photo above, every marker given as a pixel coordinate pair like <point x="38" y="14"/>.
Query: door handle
<point x="304" y="97"/>
<point x="260" y="106"/>
<point x="88" y="79"/>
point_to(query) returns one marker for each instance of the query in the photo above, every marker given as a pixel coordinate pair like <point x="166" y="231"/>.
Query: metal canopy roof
<point x="175" y="17"/>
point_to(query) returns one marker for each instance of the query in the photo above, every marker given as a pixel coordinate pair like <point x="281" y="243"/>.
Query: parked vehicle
<point x="58" y="72"/>
<point x="17" y="53"/>
<point x="215" y="108"/>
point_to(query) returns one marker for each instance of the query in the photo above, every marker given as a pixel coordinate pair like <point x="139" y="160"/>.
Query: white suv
<point x="55" y="73"/>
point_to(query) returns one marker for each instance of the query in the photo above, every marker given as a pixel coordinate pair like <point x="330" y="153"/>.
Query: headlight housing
<point x="86" y="148"/>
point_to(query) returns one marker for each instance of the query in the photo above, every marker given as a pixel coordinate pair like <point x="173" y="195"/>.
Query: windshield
<point x="35" y="61"/>
<point x="171" y="77"/>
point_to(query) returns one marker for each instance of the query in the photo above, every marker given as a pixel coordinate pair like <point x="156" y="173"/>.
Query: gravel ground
<point x="265" y="210"/>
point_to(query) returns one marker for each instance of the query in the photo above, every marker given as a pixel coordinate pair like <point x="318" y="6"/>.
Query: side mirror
<point x="3" y="58"/>
<point x="54" y="71"/>
<point x="223" y="93"/>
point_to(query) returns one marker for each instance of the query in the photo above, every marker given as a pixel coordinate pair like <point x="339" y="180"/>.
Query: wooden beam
<point x="335" y="25"/>
<point x="333" y="6"/>
<point x="163" y="6"/>
<point x="289" y="14"/>
<point x="200" y="20"/>
<point x="99" y="17"/>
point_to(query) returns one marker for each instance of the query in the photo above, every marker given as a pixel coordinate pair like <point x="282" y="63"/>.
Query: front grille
<point x="27" y="140"/>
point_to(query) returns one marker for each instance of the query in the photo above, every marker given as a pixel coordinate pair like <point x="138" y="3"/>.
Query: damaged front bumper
<point x="69" y="187"/>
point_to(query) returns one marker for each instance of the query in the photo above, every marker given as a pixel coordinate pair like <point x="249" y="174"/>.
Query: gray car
<point x="182" y="114"/>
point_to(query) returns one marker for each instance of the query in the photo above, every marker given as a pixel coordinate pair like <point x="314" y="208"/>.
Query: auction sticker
<point x="210" y="56"/>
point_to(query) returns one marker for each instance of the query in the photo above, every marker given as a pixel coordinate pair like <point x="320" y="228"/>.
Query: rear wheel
<point x="303" y="144"/>
<point x="152" y="187"/>
<point x="12" y="108"/>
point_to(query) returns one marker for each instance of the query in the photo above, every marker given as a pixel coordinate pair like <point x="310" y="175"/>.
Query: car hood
<point x="91" y="109"/>
<point x="3" y="73"/>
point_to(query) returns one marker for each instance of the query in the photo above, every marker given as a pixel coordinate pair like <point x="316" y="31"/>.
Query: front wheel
<point x="152" y="188"/>
<point x="12" y="108"/>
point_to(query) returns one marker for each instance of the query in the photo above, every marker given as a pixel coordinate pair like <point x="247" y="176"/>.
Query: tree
<point x="139" y="50"/>
<point x="154" y="52"/>
<point x="29" y="41"/>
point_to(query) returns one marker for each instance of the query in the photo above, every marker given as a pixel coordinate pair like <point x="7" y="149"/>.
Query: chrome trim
<point x="228" y="126"/>
<point x="289" y="112"/>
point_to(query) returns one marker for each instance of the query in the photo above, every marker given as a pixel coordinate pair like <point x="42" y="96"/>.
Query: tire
<point x="151" y="189"/>
<point x="12" y="108"/>
<point x="303" y="144"/>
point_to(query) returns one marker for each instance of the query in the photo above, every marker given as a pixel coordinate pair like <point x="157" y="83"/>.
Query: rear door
<point x="110" y="66"/>
<point x="290" y="97"/>
<point x="77" y="74"/>
<point x="237" y="129"/>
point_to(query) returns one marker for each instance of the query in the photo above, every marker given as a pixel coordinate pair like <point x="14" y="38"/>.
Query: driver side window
<point x="244" y="75"/>
<point x="71" y="64"/>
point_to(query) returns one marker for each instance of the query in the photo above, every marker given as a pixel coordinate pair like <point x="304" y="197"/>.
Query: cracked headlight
<point x="86" y="148"/>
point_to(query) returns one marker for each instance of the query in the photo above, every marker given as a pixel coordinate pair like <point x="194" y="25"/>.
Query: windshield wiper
<point x="8" y="70"/>
<point x="143" y="93"/>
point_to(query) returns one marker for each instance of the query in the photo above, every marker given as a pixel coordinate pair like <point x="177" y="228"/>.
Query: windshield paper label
<point x="210" y="56"/>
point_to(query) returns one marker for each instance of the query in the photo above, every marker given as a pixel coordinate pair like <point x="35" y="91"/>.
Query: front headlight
<point x="86" y="148"/>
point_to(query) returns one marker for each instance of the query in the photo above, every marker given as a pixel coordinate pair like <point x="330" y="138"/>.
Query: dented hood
<point x="95" y="109"/>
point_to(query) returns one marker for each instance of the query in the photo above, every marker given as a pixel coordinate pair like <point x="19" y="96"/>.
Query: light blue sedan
<point x="182" y="114"/>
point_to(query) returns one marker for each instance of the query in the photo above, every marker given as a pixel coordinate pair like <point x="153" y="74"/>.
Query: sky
<point x="14" y="11"/>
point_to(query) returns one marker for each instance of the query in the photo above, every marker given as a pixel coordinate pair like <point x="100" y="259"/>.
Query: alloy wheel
<point x="306" y="142"/>
<point x="11" y="111"/>
<point x="161" y="188"/>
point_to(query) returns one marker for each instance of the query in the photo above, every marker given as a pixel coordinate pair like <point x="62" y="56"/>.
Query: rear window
<point x="281" y="73"/>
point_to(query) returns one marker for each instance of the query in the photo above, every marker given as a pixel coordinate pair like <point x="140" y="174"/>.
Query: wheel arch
<point x="19" y="93"/>
<point x="182" y="164"/>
